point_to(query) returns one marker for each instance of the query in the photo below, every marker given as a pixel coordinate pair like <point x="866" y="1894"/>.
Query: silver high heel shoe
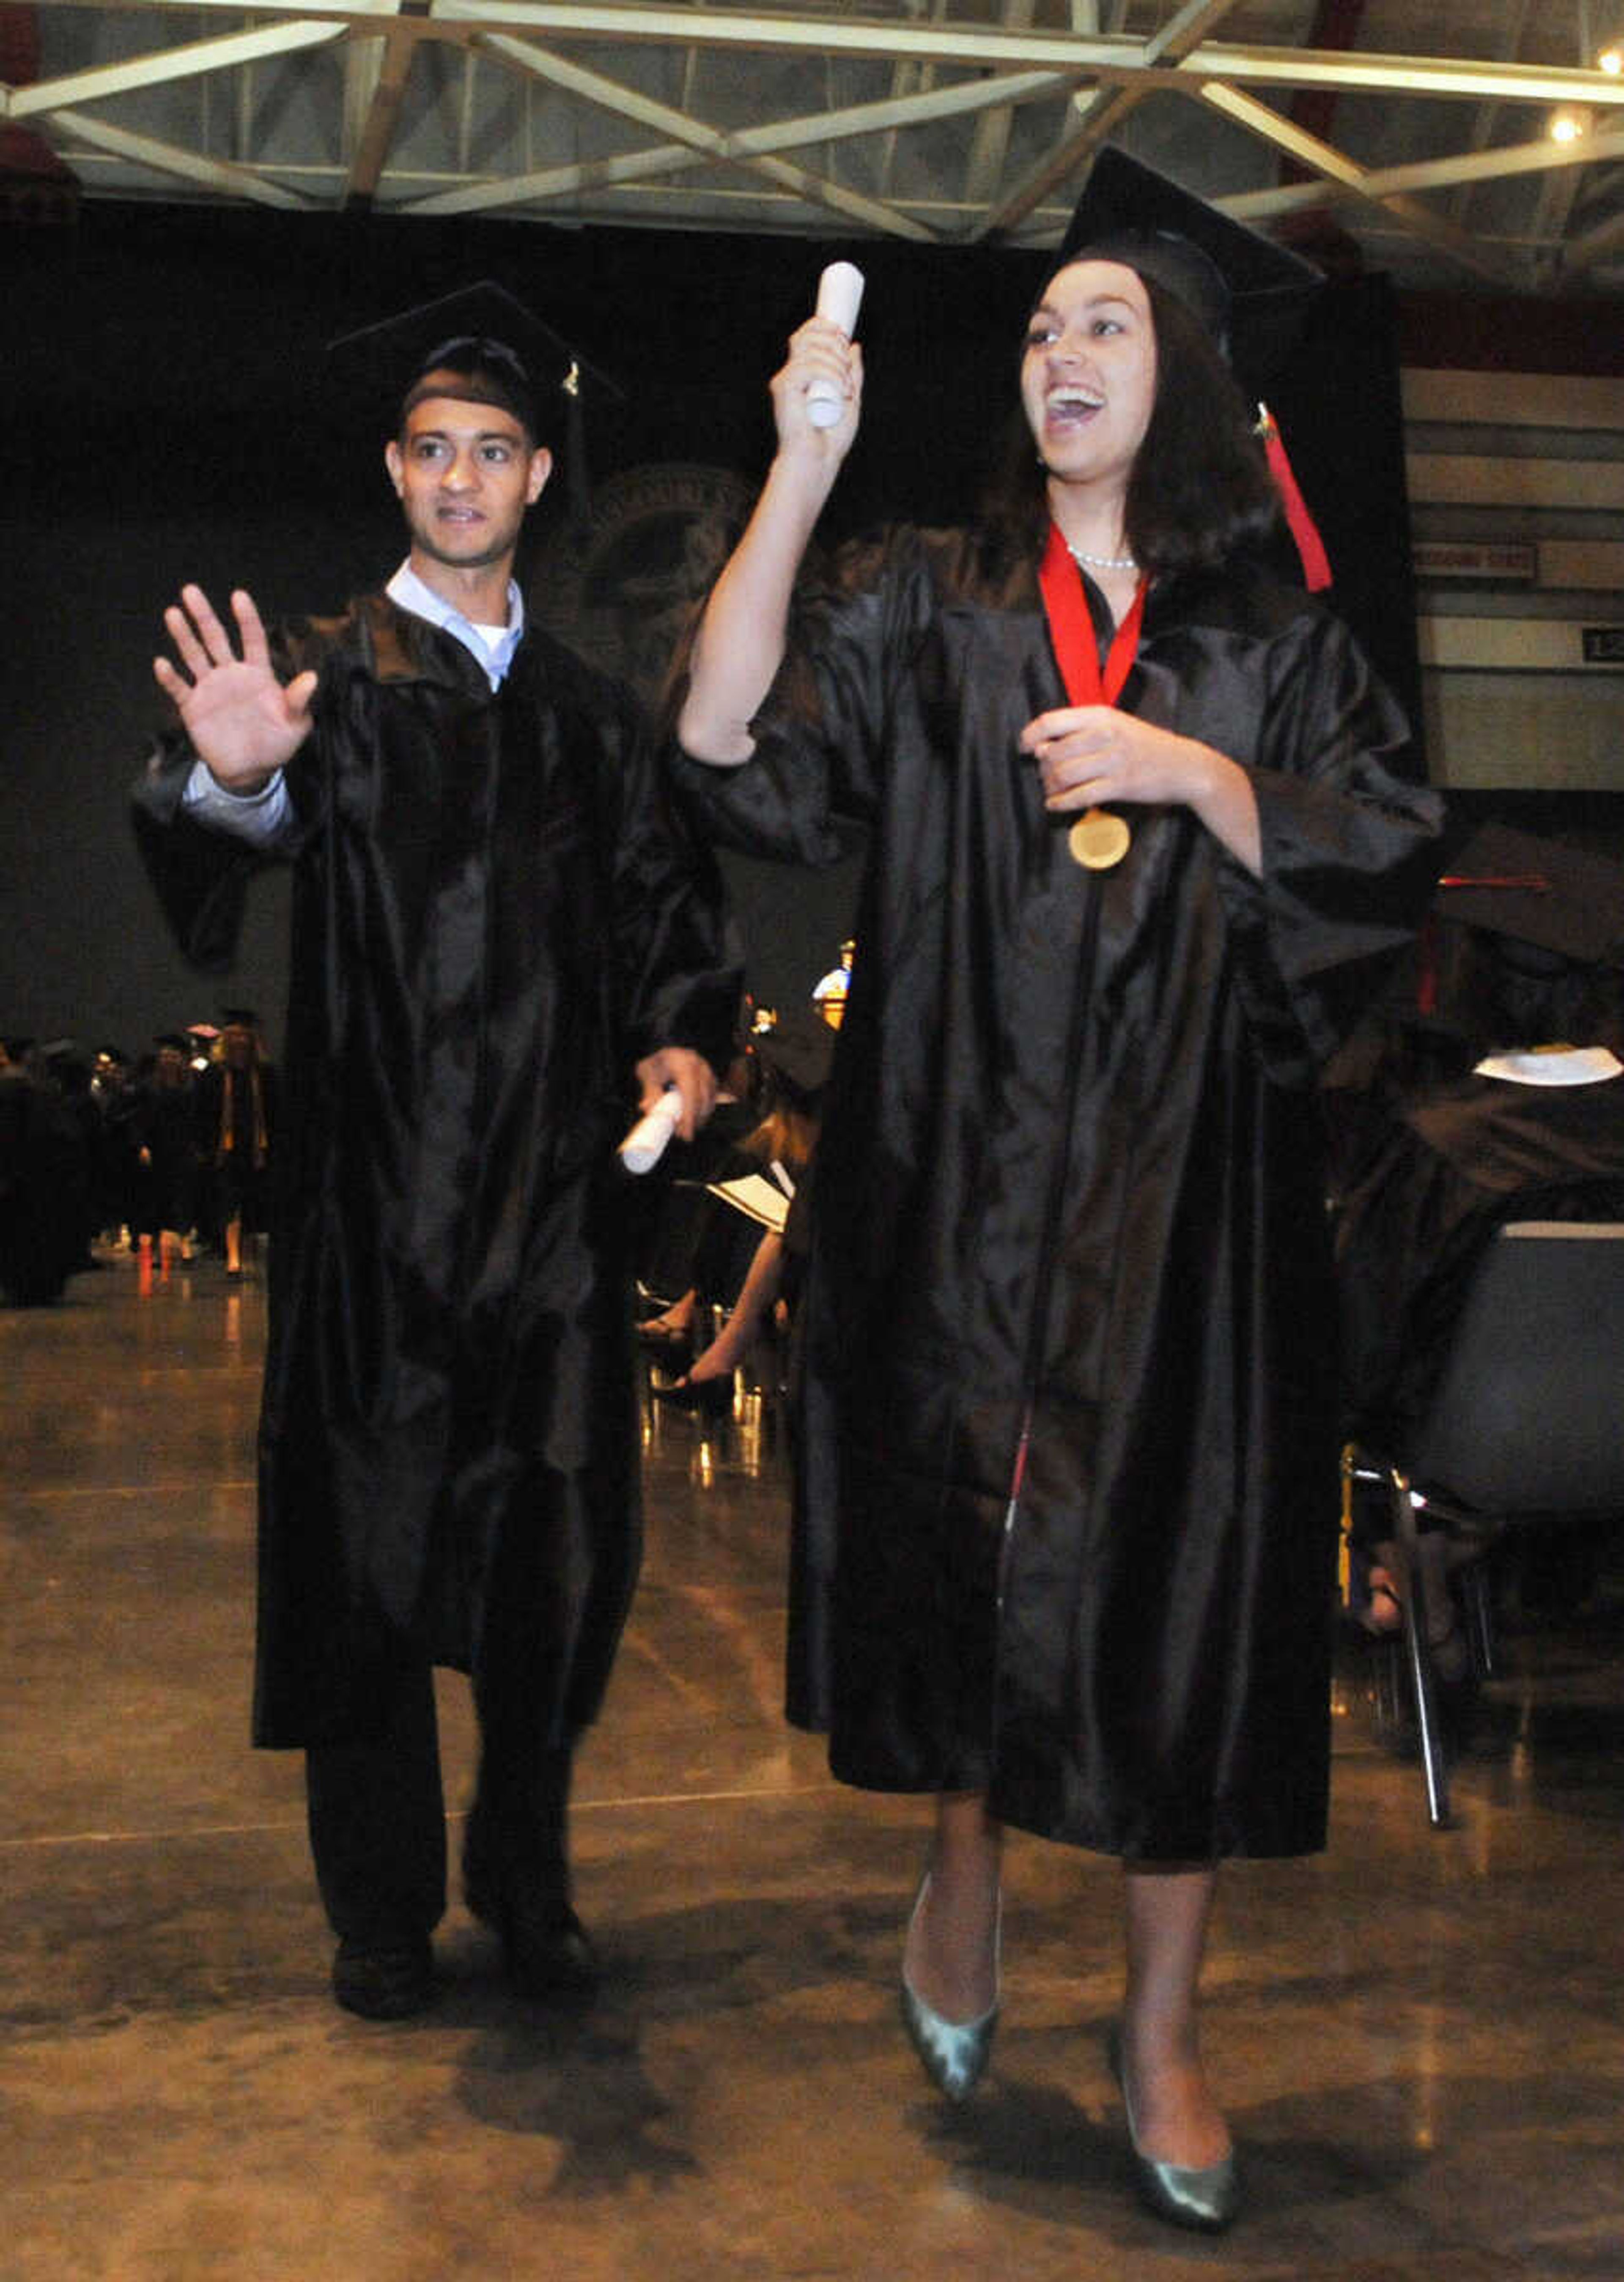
<point x="1205" y="2198"/>
<point x="952" y="2053"/>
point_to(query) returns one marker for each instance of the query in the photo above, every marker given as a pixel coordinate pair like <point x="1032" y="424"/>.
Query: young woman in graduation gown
<point x="1068" y="1502"/>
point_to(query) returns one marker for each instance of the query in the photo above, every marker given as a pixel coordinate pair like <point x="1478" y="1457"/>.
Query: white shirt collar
<point x="410" y="593"/>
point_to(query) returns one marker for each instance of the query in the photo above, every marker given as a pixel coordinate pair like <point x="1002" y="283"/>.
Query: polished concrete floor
<point x="1421" y="2035"/>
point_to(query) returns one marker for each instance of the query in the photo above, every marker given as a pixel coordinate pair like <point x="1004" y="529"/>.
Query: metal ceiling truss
<point x="931" y="125"/>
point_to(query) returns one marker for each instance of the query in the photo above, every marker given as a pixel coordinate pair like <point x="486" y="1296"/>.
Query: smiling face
<point x="465" y="474"/>
<point x="1088" y="374"/>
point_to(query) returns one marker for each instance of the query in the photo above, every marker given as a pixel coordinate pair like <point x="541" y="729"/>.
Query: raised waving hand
<point x="242" y="721"/>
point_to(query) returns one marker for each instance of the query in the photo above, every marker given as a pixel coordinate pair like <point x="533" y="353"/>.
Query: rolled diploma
<point x="840" y="296"/>
<point x="645" y="1143"/>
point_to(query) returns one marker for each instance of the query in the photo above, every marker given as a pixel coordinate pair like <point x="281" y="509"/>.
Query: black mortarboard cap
<point x="530" y="369"/>
<point x="173" y="1040"/>
<point x="1527" y="890"/>
<point x="796" y="1053"/>
<point x="1252" y="294"/>
<point x="240" y="1017"/>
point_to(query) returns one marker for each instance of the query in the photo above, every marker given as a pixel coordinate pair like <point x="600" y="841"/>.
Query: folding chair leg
<point x="1478" y="1602"/>
<point x="1412" y="1593"/>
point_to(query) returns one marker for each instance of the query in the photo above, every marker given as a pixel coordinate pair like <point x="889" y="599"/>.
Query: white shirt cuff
<point x="259" y="817"/>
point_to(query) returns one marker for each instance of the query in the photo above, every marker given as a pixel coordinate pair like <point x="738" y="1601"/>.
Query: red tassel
<point x="1310" y="547"/>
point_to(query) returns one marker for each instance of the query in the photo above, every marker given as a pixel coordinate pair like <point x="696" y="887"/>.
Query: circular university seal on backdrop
<point x="622" y="590"/>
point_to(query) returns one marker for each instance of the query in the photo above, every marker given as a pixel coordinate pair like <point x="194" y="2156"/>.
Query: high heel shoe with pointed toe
<point x="1204" y="2198"/>
<point x="711" y="1398"/>
<point x="952" y="2053"/>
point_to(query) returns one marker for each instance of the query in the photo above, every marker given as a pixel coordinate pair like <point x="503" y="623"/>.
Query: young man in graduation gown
<point x="496" y="919"/>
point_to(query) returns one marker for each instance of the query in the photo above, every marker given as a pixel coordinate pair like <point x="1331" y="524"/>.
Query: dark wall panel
<point x="162" y="420"/>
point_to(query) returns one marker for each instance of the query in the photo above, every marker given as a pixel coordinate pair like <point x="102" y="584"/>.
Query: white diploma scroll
<point x="840" y="296"/>
<point x="645" y="1144"/>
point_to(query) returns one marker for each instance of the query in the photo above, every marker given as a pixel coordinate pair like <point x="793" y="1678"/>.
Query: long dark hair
<point x="1199" y="491"/>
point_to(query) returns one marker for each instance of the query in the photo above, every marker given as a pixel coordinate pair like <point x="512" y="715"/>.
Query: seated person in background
<point x="678" y="1215"/>
<point x="795" y="1057"/>
<point x="1530" y="1126"/>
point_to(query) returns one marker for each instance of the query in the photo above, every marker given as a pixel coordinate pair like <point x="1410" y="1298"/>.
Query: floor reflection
<point x="1419" y="2033"/>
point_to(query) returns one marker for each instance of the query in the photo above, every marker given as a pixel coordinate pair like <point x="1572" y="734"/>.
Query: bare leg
<point x="1450" y="1656"/>
<point x="729" y="1348"/>
<point x="1176" y="2118"/>
<point x="951" y="1958"/>
<point x="678" y="1319"/>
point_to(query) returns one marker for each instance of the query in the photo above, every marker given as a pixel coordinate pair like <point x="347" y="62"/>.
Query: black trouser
<point x="378" y="1816"/>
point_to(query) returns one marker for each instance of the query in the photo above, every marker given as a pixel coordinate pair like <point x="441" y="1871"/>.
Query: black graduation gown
<point x="44" y="1183"/>
<point x="1456" y="1165"/>
<point x="164" y="1190"/>
<point x="496" y="913"/>
<point x="236" y="1123"/>
<point x="1141" y="1662"/>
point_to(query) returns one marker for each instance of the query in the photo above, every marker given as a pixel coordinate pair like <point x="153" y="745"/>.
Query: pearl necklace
<point x="1100" y="562"/>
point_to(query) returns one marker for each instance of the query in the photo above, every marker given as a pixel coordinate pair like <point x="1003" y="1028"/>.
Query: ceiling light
<point x="1612" y="61"/>
<point x="1566" y="128"/>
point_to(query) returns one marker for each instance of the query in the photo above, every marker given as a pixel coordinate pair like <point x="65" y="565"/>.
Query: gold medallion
<point x="1099" y="840"/>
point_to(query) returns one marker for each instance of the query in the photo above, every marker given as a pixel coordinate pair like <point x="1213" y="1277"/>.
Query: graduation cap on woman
<point x="498" y="352"/>
<point x="1538" y="895"/>
<point x="797" y="1053"/>
<point x="1521" y="926"/>
<point x="1252" y="295"/>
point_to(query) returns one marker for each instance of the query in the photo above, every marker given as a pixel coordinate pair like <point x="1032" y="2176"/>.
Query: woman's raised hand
<point x="818" y="350"/>
<point x="242" y="721"/>
<point x="740" y="644"/>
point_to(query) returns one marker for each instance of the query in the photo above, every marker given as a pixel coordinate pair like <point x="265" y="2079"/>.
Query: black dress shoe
<point x="549" y="1952"/>
<point x="546" y="1949"/>
<point x="385" y="1981"/>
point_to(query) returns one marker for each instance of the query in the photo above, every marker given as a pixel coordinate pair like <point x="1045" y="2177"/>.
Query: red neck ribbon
<point x="1071" y="630"/>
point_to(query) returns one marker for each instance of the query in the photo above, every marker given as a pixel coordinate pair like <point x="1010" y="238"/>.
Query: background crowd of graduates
<point x="166" y="1153"/>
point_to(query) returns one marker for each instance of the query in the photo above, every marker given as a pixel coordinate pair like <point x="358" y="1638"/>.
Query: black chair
<point x="1526" y="1427"/>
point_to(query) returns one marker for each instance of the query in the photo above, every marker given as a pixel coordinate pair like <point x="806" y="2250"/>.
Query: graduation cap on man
<point x="479" y="345"/>
<point x="1252" y="295"/>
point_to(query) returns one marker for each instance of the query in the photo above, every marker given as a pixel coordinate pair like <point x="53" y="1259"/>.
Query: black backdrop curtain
<point x="164" y="419"/>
